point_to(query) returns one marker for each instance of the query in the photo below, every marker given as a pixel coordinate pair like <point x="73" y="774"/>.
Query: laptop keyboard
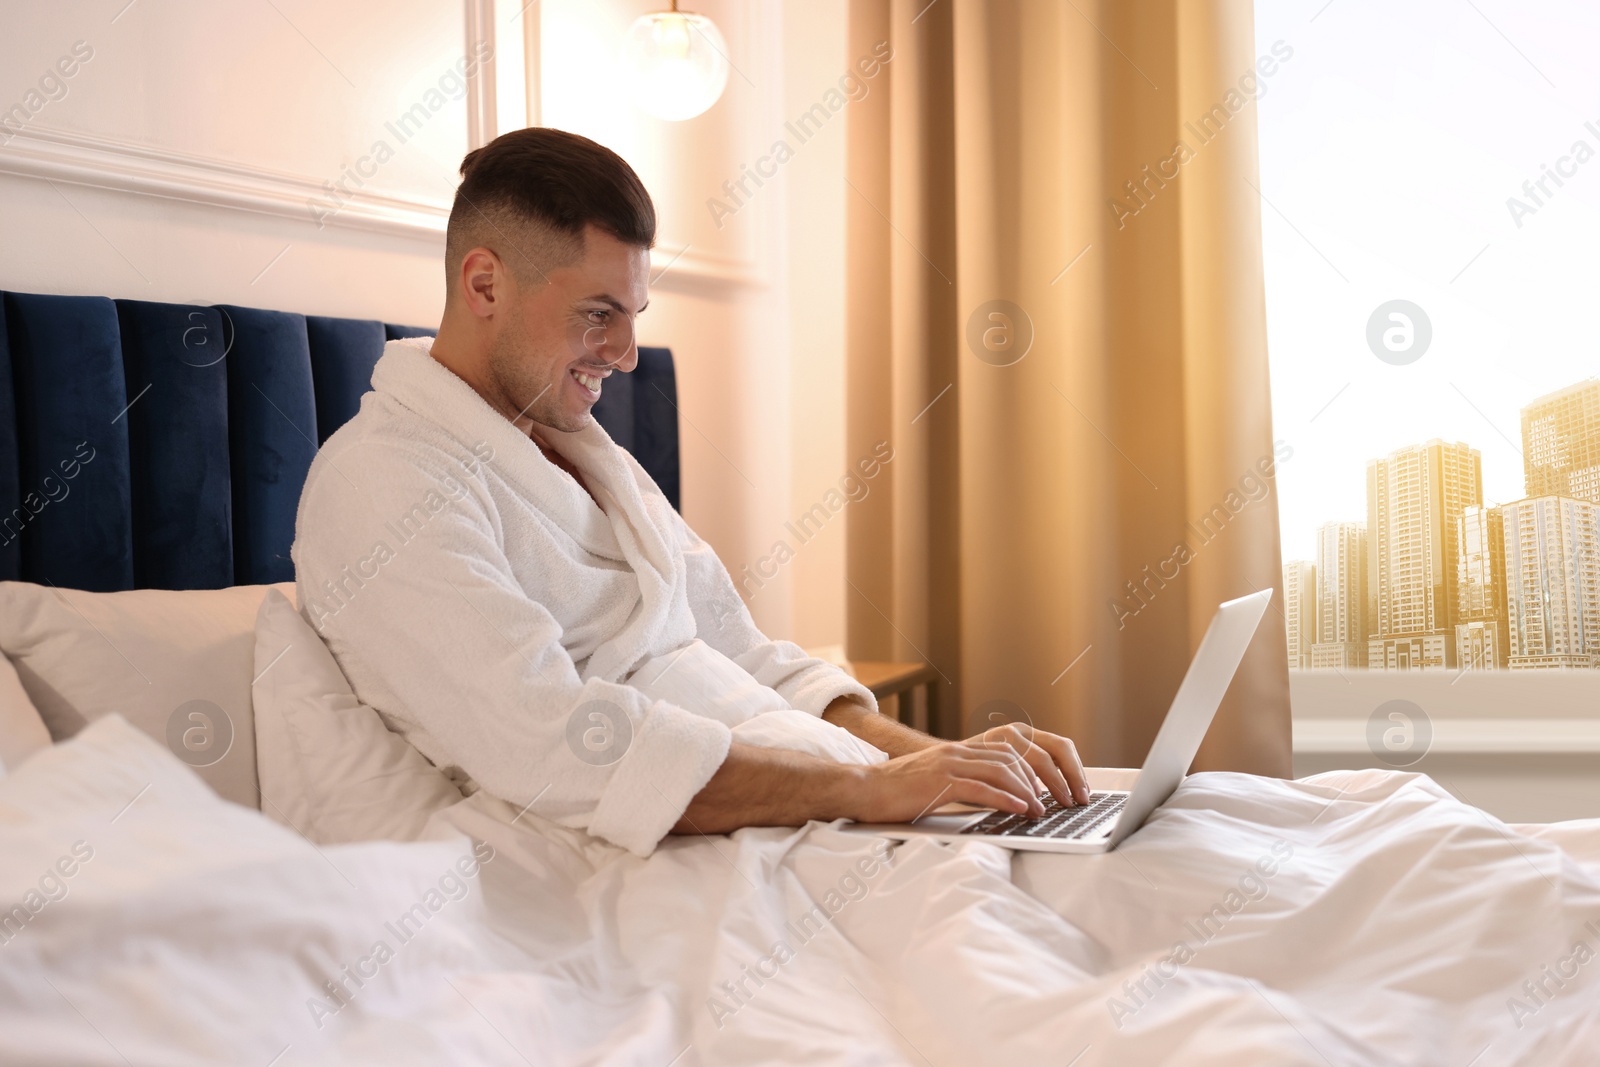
<point x="1057" y="821"/>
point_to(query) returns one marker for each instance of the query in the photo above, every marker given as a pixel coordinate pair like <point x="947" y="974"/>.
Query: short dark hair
<point x="555" y="181"/>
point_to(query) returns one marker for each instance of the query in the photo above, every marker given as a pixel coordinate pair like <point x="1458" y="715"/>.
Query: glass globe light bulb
<point x="679" y="63"/>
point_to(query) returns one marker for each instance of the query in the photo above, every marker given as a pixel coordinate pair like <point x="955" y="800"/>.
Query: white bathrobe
<point x="590" y="663"/>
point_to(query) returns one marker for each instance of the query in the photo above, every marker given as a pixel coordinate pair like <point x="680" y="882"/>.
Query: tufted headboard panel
<point x="163" y="446"/>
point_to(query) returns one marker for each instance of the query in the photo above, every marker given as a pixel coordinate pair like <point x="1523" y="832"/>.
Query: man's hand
<point x="1046" y="760"/>
<point x="1051" y="759"/>
<point x="904" y="788"/>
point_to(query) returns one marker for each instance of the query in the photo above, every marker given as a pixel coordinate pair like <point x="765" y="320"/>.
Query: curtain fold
<point x="1056" y="319"/>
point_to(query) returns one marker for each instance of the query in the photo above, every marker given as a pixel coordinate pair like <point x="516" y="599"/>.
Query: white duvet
<point x="1353" y="918"/>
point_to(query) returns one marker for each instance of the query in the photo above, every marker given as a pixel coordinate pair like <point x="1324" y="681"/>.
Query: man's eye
<point x="599" y="317"/>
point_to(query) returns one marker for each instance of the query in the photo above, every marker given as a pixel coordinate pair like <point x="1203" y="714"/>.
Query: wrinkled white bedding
<point x="1354" y="918"/>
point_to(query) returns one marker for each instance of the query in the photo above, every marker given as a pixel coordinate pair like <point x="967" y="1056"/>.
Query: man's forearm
<point x="777" y="787"/>
<point x="771" y="787"/>
<point x="877" y="730"/>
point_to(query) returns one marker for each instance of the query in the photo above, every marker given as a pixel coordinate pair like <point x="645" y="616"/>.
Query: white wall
<point x="180" y="161"/>
<point x="229" y="108"/>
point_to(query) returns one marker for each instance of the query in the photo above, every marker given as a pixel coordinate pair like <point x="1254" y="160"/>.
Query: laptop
<point x="1109" y="817"/>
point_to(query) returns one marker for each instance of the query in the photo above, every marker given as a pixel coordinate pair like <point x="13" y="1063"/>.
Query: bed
<point x="213" y="858"/>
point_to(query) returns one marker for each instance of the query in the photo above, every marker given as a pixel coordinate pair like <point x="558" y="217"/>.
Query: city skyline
<point x="1591" y="453"/>
<point x="1454" y="580"/>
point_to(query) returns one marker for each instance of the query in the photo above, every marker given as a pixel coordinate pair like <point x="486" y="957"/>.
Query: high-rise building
<point x="1341" y="639"/>
<point x="1482" y="629"/>
<point x="1300" y="611"/>
<point x="1552" y="561"/>
<point x="1561" y="443"/>
<point x="1415" y="499"/>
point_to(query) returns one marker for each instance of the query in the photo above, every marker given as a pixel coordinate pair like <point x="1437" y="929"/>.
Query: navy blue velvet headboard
<point x="164" y="446"/>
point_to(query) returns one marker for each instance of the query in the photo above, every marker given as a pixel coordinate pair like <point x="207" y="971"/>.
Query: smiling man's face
<point x="561" y="338"/>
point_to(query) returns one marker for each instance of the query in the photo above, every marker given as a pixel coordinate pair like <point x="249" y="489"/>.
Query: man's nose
<point x="629" y="358"/>
<point x="621" y="349"/>
<point x="613" y="345"/>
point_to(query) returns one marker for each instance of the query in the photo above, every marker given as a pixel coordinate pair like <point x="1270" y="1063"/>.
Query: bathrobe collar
<point x="636" y="525"/>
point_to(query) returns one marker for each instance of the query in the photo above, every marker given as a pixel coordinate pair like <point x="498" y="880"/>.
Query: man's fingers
<point x="1065" y="756"/>
<point x="1012" y="742"/>
<point x="997" y="752"/>
<point x="1045" y="767"/>
<point x="1002" y="742"/>
<point x="1001" y="775"/>
<point x="1050" y="756"/>
<point x="1021" y="740"/>
<point x="983" y="795"/>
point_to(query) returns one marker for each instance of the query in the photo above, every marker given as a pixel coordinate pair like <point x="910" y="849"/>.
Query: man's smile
<point x="590" y="381"/>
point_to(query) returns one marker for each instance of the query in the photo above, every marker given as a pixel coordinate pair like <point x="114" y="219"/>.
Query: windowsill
<point x="1520" y="744"/>
<point x="1545" y="708"/>
<point x="1455" y="735"/>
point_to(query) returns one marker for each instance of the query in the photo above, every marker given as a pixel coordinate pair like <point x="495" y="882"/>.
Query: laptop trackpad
<point x="951" y="819"/>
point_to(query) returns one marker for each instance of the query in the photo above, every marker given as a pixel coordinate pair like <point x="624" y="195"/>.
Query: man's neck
<point x="460" y="368"/>
<point x="559" y="460"/>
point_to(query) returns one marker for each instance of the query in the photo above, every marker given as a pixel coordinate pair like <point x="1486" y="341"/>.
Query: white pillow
<point x="329" y="766"/>
<point x="136" y="899"/>
<point x="176" y="664"/>
<point x="22" y="732"/>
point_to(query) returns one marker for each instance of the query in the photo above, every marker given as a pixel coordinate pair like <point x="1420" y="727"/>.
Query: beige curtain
<point x="1030" y="544"/>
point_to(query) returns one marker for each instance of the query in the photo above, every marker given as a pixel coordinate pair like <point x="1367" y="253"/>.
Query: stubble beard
<point x="517" y="372"/>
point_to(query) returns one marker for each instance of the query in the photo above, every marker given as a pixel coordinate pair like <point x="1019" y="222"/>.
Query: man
<point x="515" y="596"/>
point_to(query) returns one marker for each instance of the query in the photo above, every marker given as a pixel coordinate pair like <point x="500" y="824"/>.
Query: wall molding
<point x="482" y="123"/>
<point x="682" y="269"/>
<point x="123" y="166"/>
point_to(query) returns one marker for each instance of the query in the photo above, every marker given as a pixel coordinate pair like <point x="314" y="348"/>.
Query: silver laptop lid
<point x="1192" y="710"/>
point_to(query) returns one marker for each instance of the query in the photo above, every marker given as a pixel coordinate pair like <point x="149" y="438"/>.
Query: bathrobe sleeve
<point x="723" y="622"/>
<point x="428" y="618"/>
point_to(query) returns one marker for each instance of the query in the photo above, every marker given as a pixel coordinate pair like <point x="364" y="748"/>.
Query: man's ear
<point x="485" y="282"/>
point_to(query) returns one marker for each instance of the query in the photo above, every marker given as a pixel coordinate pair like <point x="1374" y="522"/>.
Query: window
<point x="1430" y="185"/>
